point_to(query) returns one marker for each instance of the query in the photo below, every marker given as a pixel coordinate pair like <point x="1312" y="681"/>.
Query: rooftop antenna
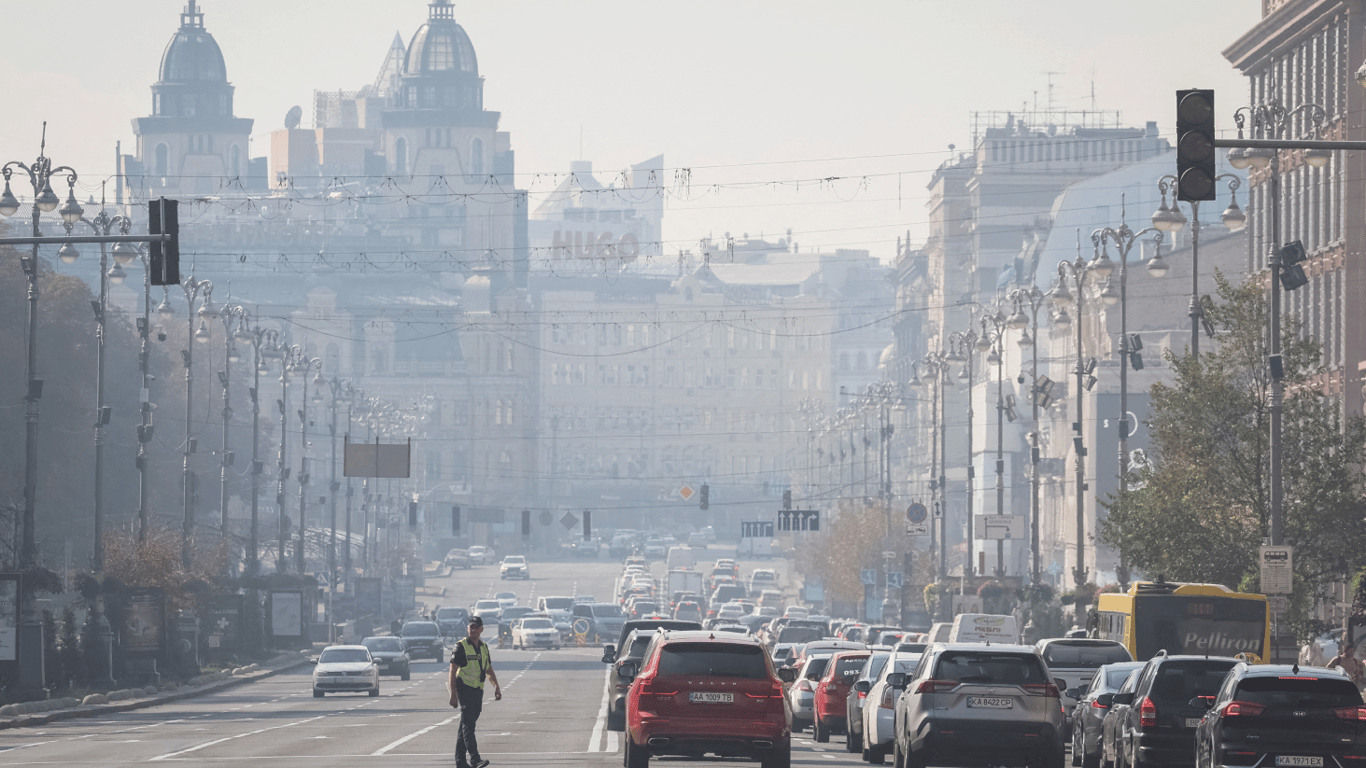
<point x="1093" y="87"/>
<point x="1050" y="75"/>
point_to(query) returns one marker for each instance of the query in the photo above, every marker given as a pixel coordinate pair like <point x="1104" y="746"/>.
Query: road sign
<point x="1278" y="603"/>
<point x="917" y="513"/>
<point x="756" y="530"/>
<point x="1277" y="565"/>
<point x="999" y="526"/>
<point x="917" y="529"/>
<point x="869" y="576"/>
<point x="546" y="517"/>
<point x="569" y="520"/>
<point x="894" y="580"/>
<point x="799" y="520"/>
<point x="686" y="492"/>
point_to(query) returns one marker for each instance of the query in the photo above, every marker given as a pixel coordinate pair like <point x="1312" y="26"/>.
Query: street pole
<point x="994" y="336"/>
<point x="1032" y="298"/>
<point x="307" y="364"/>
<point x="1077" y="271"/>
<point x="288" y="356"/>
<point x="966" y="344"/>
<point x="192" y="288"/>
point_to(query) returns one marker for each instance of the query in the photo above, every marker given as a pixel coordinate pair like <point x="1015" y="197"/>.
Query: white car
<point x="481" y="555"/>
<point x="879" y="708"/>
<point x="345" y="668"/>
<point x="535" y="632"/>
<point x="506" y="599"/>
<point x="514" y="567"/>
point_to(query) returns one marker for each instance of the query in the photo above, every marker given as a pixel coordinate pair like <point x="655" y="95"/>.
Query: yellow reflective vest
<point x="476" y="665"/>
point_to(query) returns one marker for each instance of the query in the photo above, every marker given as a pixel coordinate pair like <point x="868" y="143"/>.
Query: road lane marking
<point x="380" y="752"/>
<point x="230" y="738"/>
<point x="596" y="738"/>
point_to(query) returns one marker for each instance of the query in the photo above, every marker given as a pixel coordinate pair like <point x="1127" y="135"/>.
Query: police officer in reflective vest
<point x="470" y="665"/>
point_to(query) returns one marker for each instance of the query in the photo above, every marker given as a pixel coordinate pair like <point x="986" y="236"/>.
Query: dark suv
<point x="1158" y="727"/>
<point x="696" y="693"/>
<point x="1279" y="715"/>
<point x="632" y="651"/>
<point x="423" y="638"/>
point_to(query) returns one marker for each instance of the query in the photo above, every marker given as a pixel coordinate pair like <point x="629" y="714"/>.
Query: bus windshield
<point x="1198" y="625"/>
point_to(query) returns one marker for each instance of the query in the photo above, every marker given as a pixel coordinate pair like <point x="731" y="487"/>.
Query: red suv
<point x="701" y="693"/>
<point x="832" y="693"/>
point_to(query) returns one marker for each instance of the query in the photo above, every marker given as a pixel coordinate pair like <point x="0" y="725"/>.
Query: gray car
<point x="858" y="694"/>
<point x="974" y="704"/>
<point x="1093" y="703"/>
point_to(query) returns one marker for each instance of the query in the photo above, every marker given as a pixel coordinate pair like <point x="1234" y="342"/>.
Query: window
<point x="498" y="413"/>
<point x="234" y="161"/>
<point x="161" y="165"/>
<point x="401" y="157"/>
<point x="477" y="157"/>
<point x="332" y="359"/>
<point x="713" y="660"/>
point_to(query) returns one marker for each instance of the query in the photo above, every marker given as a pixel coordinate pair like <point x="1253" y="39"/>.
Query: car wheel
<point x="853" y="742"/>
<point x="406" y="674"/>
<point x="819" y="732"/>
<point x="1088" y="760"/>
<point x="1077" y="740"/>
<point x="616" y="721"/>
<point x="781" y="758"/>
<point x="636" y="757"/>
<point x="317" y="694"/>
<point x="374" y="692"/>
<point x="898" y="760"/>
<point x="875" y="755"/>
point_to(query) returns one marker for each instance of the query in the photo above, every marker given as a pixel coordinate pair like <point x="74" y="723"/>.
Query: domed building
<point x="191" y="143"/>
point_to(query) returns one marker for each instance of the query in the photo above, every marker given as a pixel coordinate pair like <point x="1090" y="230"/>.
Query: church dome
<point x="193" y="55"/>
<point x="440" y="46"/>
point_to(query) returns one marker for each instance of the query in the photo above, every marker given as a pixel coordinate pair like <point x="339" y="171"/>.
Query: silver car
<point x="975" y="704"/>
<point x="879" y="708"/>
<point x="858" y="694"/>
<point x="802" y="695"/>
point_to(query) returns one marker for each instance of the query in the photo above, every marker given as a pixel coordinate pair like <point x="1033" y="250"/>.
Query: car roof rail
<point x="1162" y="652"/>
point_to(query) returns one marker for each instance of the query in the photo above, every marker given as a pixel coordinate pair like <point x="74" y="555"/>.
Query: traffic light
<point x="1292" y="274"/>
<point x="704" y="499"/>
<point x="412" y="514"/>
<point x="526" y="523"/>
<point x="163" y="218"/>
<point x="455" y="519"/>
<point x="587" y="524"/>
<point x="1195" y="145"/>
<point x="787" y="499"/>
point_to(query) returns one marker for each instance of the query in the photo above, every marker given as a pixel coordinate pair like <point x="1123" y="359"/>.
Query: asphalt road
<point x="553" y="710"/>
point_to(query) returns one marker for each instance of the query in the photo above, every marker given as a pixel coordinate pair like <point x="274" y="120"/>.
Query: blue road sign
<point x="894" y="580"/>
<point x="916" y="513"/>
<point x="869" y="576"/>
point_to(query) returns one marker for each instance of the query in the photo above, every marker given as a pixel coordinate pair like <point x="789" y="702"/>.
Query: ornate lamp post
<point x="230" y="315"/>
<point x="937" y="366"/>
<point x="264" y="344"/>
<point x="289" y="357"/>
<point x="1031" y="298"/>
<point x="994" y="327"/>
<point x="339" y="390"/>
<point x="962" y="347"/>
<point x="304" y="366"/>
<point x="194" y="290"/>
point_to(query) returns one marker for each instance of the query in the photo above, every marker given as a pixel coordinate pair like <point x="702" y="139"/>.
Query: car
<point x="802" y="695"/>
<point x="829" y="714"/>
<point x="879" y="708"/>
<point x="688" y="610"/>
<point x="637" y="560"/>
<point x="868" y="674"/>
<point x="643" y="608"/>
<point x="632" y="650"/>
<point x="1073" y="662"/>
<point x="583" y="599"/>
<point x="345" y="668"/>
<point x="511" y="615"/>
<point x="597" y="621"/>
<point x="697" y="540"/>
<point x="390" y="655"/>
<point x="481" y="555"/>
<point x="1093" y="703"/>
<point x="1158" y="727"/>
<point x="800" y="632"/>
<point x="453" y="621"/>
<point x="535" y="632"/>
<point x="796" y="612"/>
<point x="762" y="579"/>
<point x="654" y="550"/>
<point x="514" y="567"/>
<point x="974" y="704"/>
<point x="698" y="692"/>
<point x="739" y="629"/>
<point x="1282" y="714"/>
<point x="423" y="638"/>
<point x="506" y="599"/>
<point x="1111" y="720"/>
<point x="651" y="624"/>
<point x="457" y="558"/>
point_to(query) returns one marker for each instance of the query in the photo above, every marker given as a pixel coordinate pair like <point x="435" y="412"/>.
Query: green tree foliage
<point x="1201" y="510"/>
<point x="68" y="648"/>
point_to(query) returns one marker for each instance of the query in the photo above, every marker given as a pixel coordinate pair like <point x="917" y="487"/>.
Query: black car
<point x="858" y="695"/>
<point x="632" y="650"/>
<point x="1111" y="720"/>
<point x="1158" y="728"/>
<point x="1282" y="715"/>
<point x="650" y="624"/>
<point x="423" y="638"/>
<point x="1093" y="703"/>
<point x="390" y="655"/>
<point x="453" y="622"/>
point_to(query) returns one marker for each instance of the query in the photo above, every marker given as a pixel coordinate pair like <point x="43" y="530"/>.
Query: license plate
<point x="991" y="702"/>
<point x="708" y="697"/>
<point x="1192" y="722"/>
<point x="384" y="666"/>
<point x="1293" y="760"/>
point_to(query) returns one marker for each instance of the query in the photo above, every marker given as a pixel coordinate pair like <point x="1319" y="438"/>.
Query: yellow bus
<point x="1197" y="619"/>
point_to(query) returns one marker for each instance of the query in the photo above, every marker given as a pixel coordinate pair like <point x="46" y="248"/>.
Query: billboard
<point x="368" y="598"/>
<point x="287" y="613"/>
<point x="144" y="622"/>
<point x="9" y="616"/>
<point x="222" y="625"/>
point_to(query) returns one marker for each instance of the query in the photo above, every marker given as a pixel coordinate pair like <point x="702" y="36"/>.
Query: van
<point x="939" y="632"/>
<point x="681" y="558"/>
<point x="984" y="628"/>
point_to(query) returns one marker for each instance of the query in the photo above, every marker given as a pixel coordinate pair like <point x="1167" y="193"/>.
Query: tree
<point x="1200" y="510"/>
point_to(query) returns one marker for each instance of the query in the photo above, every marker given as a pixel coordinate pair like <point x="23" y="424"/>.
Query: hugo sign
<point x="594" y="245"/>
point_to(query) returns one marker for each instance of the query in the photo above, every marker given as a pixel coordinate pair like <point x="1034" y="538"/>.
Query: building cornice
<point x="1281" y="29"/>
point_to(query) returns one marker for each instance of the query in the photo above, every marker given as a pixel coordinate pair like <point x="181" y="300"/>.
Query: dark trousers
<point x="471" y="704"/>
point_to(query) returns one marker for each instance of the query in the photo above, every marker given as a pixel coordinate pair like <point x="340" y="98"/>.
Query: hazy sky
<point x="774" y="96"/>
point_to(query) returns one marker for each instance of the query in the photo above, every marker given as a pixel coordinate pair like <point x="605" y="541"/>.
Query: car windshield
<point x="514" y="560"/>
<point x="484" y="604"/>
<point x="848" y="667"/>
<point x="344" y="656"/>
<point x="816" y="667"/>
<point x="558" y="603"/>
<point x="1088" y="655"/>
<point x="875" y="665"/>
<point x="1178" y="682"/>
<point x="419" y="629"/>
<point x="606" y="611"/>
<point x="713" y="660"/>
<point x="1298" y="693"/>
<point x="505" y="596"/>
<point x="990" y="668"/>
<point x="1114" y="678"/>
<point x="451" y="614"/>
<point x="383" y="643"/>
<point x="537" y="624"/>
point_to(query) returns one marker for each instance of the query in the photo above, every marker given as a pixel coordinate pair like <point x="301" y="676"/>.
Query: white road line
<point x="380" y="752"/>
<point x="595" y="739"/>
<point x="611" y="742"/>
<point x="230" y="738"/>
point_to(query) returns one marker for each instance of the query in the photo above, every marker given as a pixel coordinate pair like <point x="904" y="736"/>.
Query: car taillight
<point x="887" y="702"/>
<point x="1042" y="689"/>
<point x="863" y="694"/>
<point x="1350" y="713"/>
<point x="804" y="685"/>
<point x="1243" y="709"/>
<point x="937" y="686"/>
<point x="1097" y="705"/>
<point x="1147" y="713"/>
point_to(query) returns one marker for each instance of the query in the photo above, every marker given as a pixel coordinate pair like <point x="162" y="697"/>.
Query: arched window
<point x="332" y="359"/>
<point x="234" y="161"/>
<point x="498" y="414"/>
<point x="162" y="163"/>
<point x="477" y="157"/>
<point x="401" y="157"/>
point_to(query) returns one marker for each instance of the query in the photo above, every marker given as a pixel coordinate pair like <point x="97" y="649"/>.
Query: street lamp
<point x="1173" y="220"/>
<point x="289" y="356"/>
<point x="962" y="346"/>
<point x="1270" y="120"/>
<point x="937" y="366"/>
<point x="303" y="366"/>
<point x="193" y="290"/>
<point x="230" y="315"/>
<point x="264" y="344"/>
<point x="1032" y="298"/>
<point x="339" y="390"/>
<point x="994" y="326"/>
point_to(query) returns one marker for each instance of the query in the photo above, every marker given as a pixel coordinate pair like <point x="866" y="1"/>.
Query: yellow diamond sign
<point x="686" y="492"/>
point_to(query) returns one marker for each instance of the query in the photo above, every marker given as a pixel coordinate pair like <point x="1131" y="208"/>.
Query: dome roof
<point x="192" y="55"/>
<point x="440" y="46"/>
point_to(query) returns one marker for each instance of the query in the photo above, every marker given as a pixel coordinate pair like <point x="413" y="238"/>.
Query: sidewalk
<point x="33" y="713"/>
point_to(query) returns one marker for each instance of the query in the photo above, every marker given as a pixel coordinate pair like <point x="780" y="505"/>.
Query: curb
<point x="211" y="684"/>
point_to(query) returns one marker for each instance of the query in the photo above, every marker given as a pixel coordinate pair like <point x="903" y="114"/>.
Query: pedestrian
<point x="397" y="626"/>
<point x="1347" y="659"/>
<point x="470" y="665"/>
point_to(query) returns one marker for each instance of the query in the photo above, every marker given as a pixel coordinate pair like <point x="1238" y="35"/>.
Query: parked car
<point x="1159" y="728"/>
<point x="1277" y="714"/>
<point x="535" y="632"/>
<point x="423" y="638"/>
<point x="879" y="709"/>
<point x="1073" y="663"/>
<point x="729" y="701"/>
<point x="1093" y="702"/>
<point x="390" y="655"/>
<point x="832" y="693"/>
<point x="858" y="694"/>
<point x="345" y="668"/>
<point x="514" y="567"/>
<point x="481" y="555"/>
<point x="802" y="695"/>
<point x="971" y="704"/>
<point x="457" y="558"/>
